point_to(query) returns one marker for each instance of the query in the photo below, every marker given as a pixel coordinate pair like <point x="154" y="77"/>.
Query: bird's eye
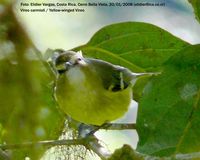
<point x="79" y="59"/>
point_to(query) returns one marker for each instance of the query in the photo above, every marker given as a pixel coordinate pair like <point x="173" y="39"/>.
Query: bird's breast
<point x="81" y="94"/>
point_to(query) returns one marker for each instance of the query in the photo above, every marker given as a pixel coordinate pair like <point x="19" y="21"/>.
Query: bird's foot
<point x="85" y="130"/>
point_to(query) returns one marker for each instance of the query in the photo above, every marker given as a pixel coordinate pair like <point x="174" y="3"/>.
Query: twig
<point x="92" y="144"/>
<point x="97" y="148"/>
<point x="80" y="141"/>
<point x="113" y="126"/>
<point x="89" y="142"/>
<point x="118" y="126"/>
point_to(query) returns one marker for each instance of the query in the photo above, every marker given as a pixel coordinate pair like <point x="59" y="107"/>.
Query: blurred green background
<point x="27" y="109"/>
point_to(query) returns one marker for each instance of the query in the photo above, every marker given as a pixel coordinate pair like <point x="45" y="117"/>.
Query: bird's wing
<point x="119" y="80"/>
<point x="114" y="78"/>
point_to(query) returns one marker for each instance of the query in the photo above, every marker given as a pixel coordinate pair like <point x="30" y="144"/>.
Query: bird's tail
<point x="145" y="74"/>
<point x="135" y="76"/>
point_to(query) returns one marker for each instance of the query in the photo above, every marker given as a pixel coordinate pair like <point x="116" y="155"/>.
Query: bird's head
<point x="68" y="59"/>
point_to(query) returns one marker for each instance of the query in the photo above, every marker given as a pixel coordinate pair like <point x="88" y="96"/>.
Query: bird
<point x="92" y="91"/>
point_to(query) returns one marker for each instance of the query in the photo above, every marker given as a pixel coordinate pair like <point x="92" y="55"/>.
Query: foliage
<point x="138" y="46"/>
<point x="27" y="112"/>
<point x="174" y="97"/>
<point x="125" y="153"/>
<point x="196" y="7"/>
<point x="169" y="108"/>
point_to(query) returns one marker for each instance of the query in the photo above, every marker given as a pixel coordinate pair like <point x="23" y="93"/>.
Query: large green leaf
<point x="135" y="45"/>
<point x="169" y="111"/>
<point x="196" y="7"/>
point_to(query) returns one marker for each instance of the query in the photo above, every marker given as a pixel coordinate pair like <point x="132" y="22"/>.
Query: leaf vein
<point x="189" y="123"/>
<point x="114" y="55"/>
<point x="121" y="36"/>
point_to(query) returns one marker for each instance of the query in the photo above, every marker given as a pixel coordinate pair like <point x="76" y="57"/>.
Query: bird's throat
<point x="76" y="76"/>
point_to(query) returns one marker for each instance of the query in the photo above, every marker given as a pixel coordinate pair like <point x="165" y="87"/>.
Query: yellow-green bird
<point x="92" y="91"/>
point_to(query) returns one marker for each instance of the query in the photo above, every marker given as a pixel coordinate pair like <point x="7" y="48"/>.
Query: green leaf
<point x="168" y="119"/>
<point x="196" y="7"/>
<point x="138" y="46"/>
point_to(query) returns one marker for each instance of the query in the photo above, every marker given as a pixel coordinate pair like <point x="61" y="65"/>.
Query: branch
<point x="86" y="131"/>
<point x="118" y="126"/>
<point x="111" y="126"/>
<point x="97" y="148"/>
<point x="80" y="141"/>
<point x="91" y="143"/>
